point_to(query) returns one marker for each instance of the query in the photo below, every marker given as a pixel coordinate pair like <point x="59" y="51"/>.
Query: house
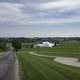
<point x="44" y="44"/>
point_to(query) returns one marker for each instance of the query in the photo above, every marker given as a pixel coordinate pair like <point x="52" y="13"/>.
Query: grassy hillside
<point x="70" y="49"/>
<point x="38" y="68"/>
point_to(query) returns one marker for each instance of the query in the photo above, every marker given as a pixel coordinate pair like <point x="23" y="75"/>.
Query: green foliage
<point x="3" y="46"/>
<point x="16" y="44"/>
<point x="27" y="45"/>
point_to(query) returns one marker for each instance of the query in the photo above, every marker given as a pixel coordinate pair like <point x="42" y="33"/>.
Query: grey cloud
<point x="12" y="1"/>
<point x="37" y="1"/>
<point x="30" y="13"/>
<point x="27" y="1"/>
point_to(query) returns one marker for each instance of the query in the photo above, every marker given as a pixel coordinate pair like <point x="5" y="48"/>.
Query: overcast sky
<point x="39" y="18"/>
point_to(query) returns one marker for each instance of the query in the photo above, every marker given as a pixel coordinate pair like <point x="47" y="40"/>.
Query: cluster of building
<point x="44" y="44"/>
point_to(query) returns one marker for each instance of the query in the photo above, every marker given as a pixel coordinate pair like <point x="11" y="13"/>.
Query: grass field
<point x="1" y="50"/>
<point x="38" y="68"/>
<point x="70" y="49"/>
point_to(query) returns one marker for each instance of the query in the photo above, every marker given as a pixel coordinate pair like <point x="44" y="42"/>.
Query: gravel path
<point x="68" y="61"/>
<point x="33" y="53"/>
<point x="63" y="60"/>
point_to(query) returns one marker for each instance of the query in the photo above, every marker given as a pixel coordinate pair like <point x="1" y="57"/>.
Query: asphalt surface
<point x="8" y="66"/>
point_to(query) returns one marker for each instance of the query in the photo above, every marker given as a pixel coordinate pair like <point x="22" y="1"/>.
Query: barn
<point x="44" y="44"/>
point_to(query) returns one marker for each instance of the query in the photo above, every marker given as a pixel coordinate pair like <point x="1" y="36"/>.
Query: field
<point x="40" y="68"/>
<point x="1" y="50"/>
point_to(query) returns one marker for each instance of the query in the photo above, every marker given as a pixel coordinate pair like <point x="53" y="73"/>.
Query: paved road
<point x="8" y="66"/>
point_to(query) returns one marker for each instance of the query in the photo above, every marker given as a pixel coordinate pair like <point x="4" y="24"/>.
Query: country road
<point x="8" y="66"/>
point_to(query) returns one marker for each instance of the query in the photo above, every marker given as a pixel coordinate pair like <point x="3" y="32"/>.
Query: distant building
<point x="44" y="44"/>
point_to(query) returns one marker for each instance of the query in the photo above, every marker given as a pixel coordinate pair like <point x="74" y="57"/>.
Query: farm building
<point x="44" y="44"/>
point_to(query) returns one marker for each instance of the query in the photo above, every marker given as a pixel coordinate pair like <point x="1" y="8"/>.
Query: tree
<point x="16" y="44"/>
<point x="3" y="46"/>
<point x="78" y="59"/>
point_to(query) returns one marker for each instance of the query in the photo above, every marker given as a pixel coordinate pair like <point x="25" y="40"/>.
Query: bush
<point x="78" y="59"/>
<point x="3" y="46"/>
<point x="16" y="44"/>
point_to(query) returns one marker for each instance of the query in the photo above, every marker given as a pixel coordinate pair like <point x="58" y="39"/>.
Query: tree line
<point x="17" y="42"/>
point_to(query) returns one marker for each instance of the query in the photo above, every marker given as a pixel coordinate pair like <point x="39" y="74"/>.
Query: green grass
<point x="70" y="49"/>
<point x="38" y="68"/>
<point x="1" y="50"/>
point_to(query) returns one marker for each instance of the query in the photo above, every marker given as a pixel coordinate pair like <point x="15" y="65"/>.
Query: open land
<point x="45" y="68"/>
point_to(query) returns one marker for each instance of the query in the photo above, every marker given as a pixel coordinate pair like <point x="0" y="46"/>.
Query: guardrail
<point x="6" y="63"/>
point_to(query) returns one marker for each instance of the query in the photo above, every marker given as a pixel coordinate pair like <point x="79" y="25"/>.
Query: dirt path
<point x="33" y="53"/>
<point x="68" y="61"/>
<point x="63" y="60"/>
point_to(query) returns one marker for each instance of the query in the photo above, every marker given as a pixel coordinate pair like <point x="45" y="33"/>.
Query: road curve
<point x="63" y="60"/>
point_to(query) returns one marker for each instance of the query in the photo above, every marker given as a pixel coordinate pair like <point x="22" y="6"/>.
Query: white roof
<point x="46" y="44"/>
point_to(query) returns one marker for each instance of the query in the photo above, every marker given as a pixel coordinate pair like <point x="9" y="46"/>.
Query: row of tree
<point x="5" y="44"/>
<point x="16" y="42"/>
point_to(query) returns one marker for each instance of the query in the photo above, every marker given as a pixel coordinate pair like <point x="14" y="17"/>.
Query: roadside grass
<point x="69" y="49"/>
<point x="38" y="68"/>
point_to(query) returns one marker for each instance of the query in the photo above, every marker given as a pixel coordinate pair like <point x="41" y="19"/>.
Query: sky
<point x="39" y="18"/>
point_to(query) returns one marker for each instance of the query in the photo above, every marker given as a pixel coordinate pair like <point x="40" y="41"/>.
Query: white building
<point x="44" y="44"/>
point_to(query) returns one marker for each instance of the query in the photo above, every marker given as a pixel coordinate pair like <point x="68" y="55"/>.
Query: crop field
<point x="40" y="68"/>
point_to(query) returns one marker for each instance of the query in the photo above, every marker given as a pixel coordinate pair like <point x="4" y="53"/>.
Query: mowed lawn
<point x="39" y="68"/>
<point x="70" y="49"/>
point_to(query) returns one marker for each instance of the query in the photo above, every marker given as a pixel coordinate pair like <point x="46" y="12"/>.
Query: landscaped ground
<point x="39" y="68"/>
